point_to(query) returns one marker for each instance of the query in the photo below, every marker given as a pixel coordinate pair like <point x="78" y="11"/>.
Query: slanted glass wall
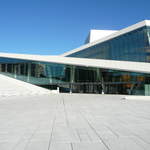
<point x="132" y="46"/>
<point x="35" y="72"/>
<point x="76" y="79"/>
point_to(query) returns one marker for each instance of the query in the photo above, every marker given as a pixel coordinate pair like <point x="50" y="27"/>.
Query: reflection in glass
<point x="132" y="46"/>
<point x="76" y="78"/>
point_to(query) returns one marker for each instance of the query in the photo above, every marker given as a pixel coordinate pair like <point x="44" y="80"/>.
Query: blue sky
<point x="53" y="27"/>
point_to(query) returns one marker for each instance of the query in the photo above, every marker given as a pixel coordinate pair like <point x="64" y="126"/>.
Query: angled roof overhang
<point x="98" y="63"/>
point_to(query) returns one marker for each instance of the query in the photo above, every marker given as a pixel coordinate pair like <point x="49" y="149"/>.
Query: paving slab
<point x="73" y="122"/>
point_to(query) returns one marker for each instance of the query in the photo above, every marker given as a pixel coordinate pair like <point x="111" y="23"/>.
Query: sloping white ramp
<point x="10" y="87"/>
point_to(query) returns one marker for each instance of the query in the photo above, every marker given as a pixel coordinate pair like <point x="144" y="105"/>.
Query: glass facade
<point x="77" y="79"/>
<point x="131" y="46"/>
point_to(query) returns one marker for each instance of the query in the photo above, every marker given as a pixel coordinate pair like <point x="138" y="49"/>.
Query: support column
<point x="5" y="67"/>
<point x="102" y="83"/>
<point x="15" y="71"/>
<point x="72" y="77"/>
<point x="19" y="70"/>
<point x="49" y="73"/>
<point x="0" y="67"/>
<point x="24" y="69"/>
<point x="12" y="70"/>
<point x="99" y="76"/>
<point x="28" y="72"/>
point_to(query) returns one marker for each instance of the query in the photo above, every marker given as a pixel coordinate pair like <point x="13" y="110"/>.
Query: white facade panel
<point x="95" y="35"/>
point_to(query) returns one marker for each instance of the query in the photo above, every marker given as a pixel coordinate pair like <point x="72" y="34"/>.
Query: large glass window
<point x="77" y="78"/>
<point x="132" y="46"/>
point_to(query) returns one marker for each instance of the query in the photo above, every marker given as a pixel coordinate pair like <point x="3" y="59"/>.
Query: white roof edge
<point x="118" y="33"/>
<point x="147" y="22"/>
<point x="97" y="63"/>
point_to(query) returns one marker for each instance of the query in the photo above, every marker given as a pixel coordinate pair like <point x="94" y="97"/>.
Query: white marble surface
<point x="73" y="122"/>
<point x="12" y="87"/>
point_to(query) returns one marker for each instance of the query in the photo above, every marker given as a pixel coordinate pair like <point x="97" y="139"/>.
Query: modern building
<point x="110" y="62"/>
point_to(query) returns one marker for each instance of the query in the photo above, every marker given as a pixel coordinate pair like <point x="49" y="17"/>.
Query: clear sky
<point x="55" y="26"/>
